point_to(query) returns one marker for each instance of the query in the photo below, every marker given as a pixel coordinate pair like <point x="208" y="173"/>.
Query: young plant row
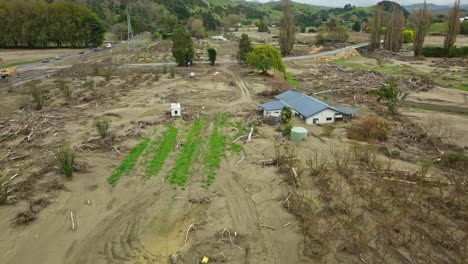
<point x="216" y="147"/>
<point x="127" y="165"/>
<point x="180" y="171"/>
<point x="165" y="147"/>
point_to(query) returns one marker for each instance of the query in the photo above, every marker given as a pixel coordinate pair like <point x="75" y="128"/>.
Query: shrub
<point x="102" y="127"/>
<point x="390" y="94"/>
<point x="440" y="52"/>
<point x="327" y="130"/>
<point x="286" y="115"/>
<point x="164" y="69"/>
<point x="212" y="55"/>
<point x="370" y="129"/>
<point x="408" y="36"/>
<point x="287" y="130"/>
<point x="172" y="72"/>
<point x="455" y="160"/>
<point x="312" y="30"/>
<point x="66" y="159"/>
<point x="38" y="97"/>
<point x="65" y="88"/>
<point x="89" y="84"/>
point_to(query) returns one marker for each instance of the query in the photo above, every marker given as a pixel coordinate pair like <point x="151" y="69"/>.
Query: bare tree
<point x="422" y="24"/>
<point x="375" y="32"/>
<point x="453" y="27"/>
<point x="287" y="29"/>
<point x="394" y="35"/>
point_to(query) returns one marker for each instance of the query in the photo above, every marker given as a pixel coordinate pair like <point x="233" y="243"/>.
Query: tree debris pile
<point x="340" y="56"/>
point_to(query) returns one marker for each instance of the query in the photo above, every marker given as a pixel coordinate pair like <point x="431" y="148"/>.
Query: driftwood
<point x="269" y="227"/>
<point x="230" y="238"/>
<point x="234" y="141"/>
<point x="296" y="178"/>
<point x="239" y="161"/>
<point x="397" y="180"/>
<point x="266" y="162"/>
<point x="72" y="220"/>
<point x="186" y="234"/>
<point x="250" y="135"/>
<point x="287" y="224"/>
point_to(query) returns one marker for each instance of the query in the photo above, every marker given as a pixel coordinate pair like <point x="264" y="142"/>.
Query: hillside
<point x="441" y="9"/>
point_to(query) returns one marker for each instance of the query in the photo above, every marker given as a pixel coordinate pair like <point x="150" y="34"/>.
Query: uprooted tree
<point x="422" y="25"/>
<point x="453" y="25"/>
<point x="265" y="58"/>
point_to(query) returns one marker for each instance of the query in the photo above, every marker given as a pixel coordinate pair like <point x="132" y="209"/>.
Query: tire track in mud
<point x="115" y="239"/>
<point x="245" y="93"/>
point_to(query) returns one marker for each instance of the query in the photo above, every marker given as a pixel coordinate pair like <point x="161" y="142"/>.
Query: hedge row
<point x="431" y="51"/>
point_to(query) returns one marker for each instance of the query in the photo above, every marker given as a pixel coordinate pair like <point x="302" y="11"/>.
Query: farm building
<point x="310" y="109"/>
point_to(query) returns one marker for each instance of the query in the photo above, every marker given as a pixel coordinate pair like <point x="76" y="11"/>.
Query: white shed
<point x="175" y="109"/>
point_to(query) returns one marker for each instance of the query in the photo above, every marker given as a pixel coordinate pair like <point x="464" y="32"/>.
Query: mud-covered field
<point x="162" y="189"/>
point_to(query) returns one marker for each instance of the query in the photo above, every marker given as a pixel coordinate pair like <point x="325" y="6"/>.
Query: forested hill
<point x="39" y="24"/>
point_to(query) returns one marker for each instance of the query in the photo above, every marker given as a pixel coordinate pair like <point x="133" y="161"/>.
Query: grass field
<point x="162" y="150"/>
<point x="216" y="148"/>
<point x="127" y="165"/>
<point x="180" y="172"/>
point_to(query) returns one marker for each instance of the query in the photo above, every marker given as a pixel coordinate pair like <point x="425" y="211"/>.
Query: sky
<point x="341" y="3"/>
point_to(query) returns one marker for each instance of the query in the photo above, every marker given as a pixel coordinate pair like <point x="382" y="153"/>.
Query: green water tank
<point x="298" y="134"/>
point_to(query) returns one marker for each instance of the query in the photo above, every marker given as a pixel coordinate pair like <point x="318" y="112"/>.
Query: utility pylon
<point x="130" y="40"/>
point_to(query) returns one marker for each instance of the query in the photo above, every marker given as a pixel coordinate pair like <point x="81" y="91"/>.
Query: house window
<point x="329" y="118"/>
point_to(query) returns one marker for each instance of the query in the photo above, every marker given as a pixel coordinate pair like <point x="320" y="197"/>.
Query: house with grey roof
<point x="310" y="109"/>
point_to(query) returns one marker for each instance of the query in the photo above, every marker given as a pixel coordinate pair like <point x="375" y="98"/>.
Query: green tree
<point x="357" y="26"/>
<point x="286" y="114"/>
<point x="245" y="46"/>
<point x="288" y="29"/>
<point x="318" y="23"/>
<point x="265" y="58"/>
<point x="262" y="26"/>
<point x="464" y="28"/>
<point x="212" y="55"/>
<point x="169" y="23"/>
<point x="390" y="94"/>
<point x="182" y="47"/>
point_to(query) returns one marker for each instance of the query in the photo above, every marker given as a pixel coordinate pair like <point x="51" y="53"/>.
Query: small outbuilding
<point x="175" y="109"/>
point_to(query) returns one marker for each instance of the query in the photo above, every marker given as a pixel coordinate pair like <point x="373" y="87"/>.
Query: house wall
<point x="322" y="117"/>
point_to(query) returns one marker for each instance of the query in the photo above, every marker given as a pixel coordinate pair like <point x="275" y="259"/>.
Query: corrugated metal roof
<point x="272" y="106"/>
<point x="303" y="104"/>
<point x="345" y="109"/>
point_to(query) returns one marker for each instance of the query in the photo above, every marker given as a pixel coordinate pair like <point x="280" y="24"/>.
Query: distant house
<point x="310" y="109"/>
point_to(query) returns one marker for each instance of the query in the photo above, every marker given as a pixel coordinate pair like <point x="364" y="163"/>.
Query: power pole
<point x="130" y="41"/>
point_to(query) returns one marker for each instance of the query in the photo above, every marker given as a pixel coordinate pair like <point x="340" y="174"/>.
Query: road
<point x="52" y="67"/>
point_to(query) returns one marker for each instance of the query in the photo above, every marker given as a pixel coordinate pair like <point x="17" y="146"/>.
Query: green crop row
<point x="162" y="151"/>
<point x="179" y="173"/>
<point x="127" y="165"/>
<point x="216" y="148"/>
